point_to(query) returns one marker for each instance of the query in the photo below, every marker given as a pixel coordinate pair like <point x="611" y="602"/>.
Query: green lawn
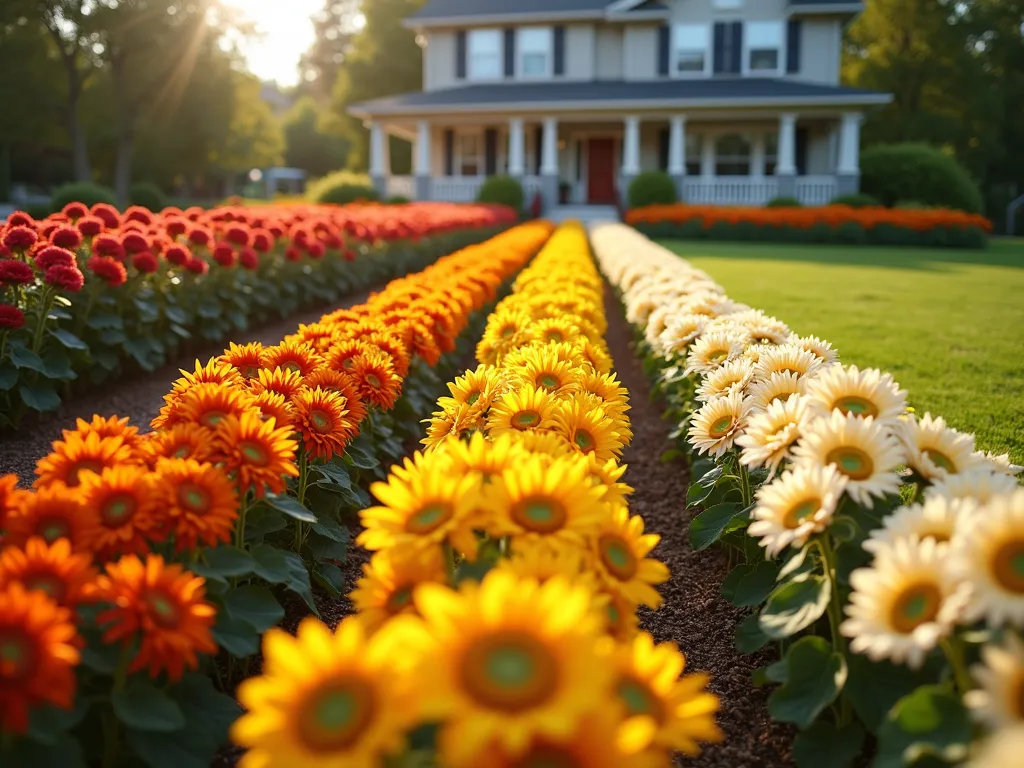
<point x="948" y="324"/>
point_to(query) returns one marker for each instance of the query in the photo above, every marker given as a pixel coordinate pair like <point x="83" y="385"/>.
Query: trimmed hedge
<point x="783" y="202"/>
<point x="895" y="172"/>
<point x="342" y="187"/>
<point x="82" y="192"/>
<point x="148" y="195"/>
<point x="856" y="200"/>
<point x="502" y="190"/>
<point x="651" y="188"/>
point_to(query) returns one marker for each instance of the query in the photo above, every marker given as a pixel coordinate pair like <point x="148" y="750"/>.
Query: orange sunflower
<point x="274" y="406"/>
<point x="78" y="454"/>
<point x="208" y="404"/>
<point x="198" y="500"/>
<point x="9" y="498"/>
<point x="122" y="500"/>
<point x="38" y="655"/>
<point x="162" y="603"/>
<point x="257" y="452"/>
<point x="336" y="381"/>
<point x="278" y="380"/>
<point x="322" y="419"/>
<point x="182" y="441"/>
<point x="320" y="336"/>
<point x="424" y="344"/>
<point x="112" y="427"/>
<point x="375" y="378"/>
<point x="391" y="345"/>
<point x="53" y="513"/>
<point x="293" y="356"/>
<point x="246" y="358"/>
<point x="51" y="568"/>
<point x="341" y="356"/>
<point x="214" y="372"/>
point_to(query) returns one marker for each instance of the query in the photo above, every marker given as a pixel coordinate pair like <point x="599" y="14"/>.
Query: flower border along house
<point x="739" y="100"/>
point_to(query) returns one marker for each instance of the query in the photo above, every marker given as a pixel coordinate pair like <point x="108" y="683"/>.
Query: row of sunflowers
<point x="880" y="550"/>
<point x="139" y="573"/>
<point x="87" y="291"/>
<point x="496" y="622"/>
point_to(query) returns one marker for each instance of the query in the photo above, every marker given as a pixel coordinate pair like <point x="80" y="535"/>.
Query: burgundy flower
<point x="134" y="242"/>
<point x="75" y="211"/>
<point x="66" y="237"/>
<point x="238" y="234"/>
<point x="224" y="254"/>
<point x="276" y="230"/>
<point x="11" y="317"/>
<point x="90" y="226"/>
<point x="248" y="258"/>
<point x="198" y="266"/>
<point x="108" y="244"/>
<point x="349" y="254"/>
<point x="14" y="272"/>
<point x="109" y="269"/>
<point x="199" y="235"/>
<point x="292" y="253"/>
<point x="145" y="262"/>
<point x="20" y="219"/>
<point x="178" y="255"/>
<point x="175" y="226"/>
<point x="262" y="240"/>
<point x="316" y="249"/>
<point x="52" y="256"/>
<point x="111" y="218"/>
<point x="19" y="237"/>
<point x="65" y="278"/>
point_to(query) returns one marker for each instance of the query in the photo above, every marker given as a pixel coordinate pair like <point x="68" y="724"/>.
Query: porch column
<point x="423" y="154"/>
<point x="757" y="156"/>
<point x="785" y="166"/>
<point x="630" y="153"/>
<point x="848" y="172"/>
<point x="677" y="152"/>
<point x="379" y="158"/>
<point x="549" y="163"/>
<point x="707" y="156"/>
<point x="516" y="148"/>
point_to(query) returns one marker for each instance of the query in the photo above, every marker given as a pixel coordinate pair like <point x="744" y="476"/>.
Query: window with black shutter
<point x="794" y="40"/>
<point x="510" y="52"/>
<point x="491" y="151"/>
<point x="559" y="53"/>
<point x="664" y="43"/>
<point x="663" y="140"/>
<point x="460" y="54"/>
<point x="449" y="152"/>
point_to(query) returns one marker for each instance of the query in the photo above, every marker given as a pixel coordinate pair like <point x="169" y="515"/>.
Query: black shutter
<point x="510" y="52"/>
<point x="449" y="152"/>
<point x="664" y="35"/>
<point x="736" y="62"/>
<point x="559" y="45"/>
<point x="491" y="151"/>
<point x="794" y="37"/>
<point x="803" y="141"/>
<point x="538" y="148"/>
<point x="579" y="159"/>
<point x="460" y="54"/>
<point x="720" y="64"/>
<point x="663" y="139"/>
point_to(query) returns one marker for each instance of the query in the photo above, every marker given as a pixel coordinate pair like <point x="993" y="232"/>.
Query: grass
<point x="948" y="324"/>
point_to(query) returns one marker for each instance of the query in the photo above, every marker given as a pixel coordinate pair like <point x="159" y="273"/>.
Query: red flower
<point x="111" y="218"/>
<point x="316" y="250"/>
<point x="19" y="237"/>
<point x="262" y="240"/>
<point x="109" y="269"/>
<point x="66" y="237"/>
<point x="65" y="278"/>
<point x="248" y="258"/>
<point x="238" y="234"/>
<point x="108" y="245"/>
<point x="138" y="213"/>
<point x="145" y="262"/>
<point x="11" y="317"/>
<point x="89" y="226"/>
<point x="292" y="253"/>
<point x="224" y="254"/>
<point x="175" y="226"/>
<point x="52" y="256"/>
<point x="15" y="272"/>
<point x="178" y="255"/>
<point x="199" y="235"/>
<point x="20" y="219"/>
<point x="198" y="266"/>
<point x="75" y="210"/>
<point x="134" y="242"/>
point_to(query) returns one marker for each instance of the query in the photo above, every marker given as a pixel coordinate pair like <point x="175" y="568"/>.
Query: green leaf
<point x="68" y="339"/>
<point x="874" y="687"/>
<point x="474" y="571"/>
<point x="756" y="585"/>
<point x="815" y="675"/>
<point x="844" y="528"/>
<point x="797" y="564"/>
<point x="291" y="507"/>
<point x="334" y="474"/>
<point x="795" y="605"/>
<point x="236" y="636"/>
<point x="23" y="357"/>
<point x="209" y="309"/>
<point x="176" y="314"/>
<point x="360" y="453"/>
<point x="731" y="582"/>
<point x="324" y="548"/>
<point x="332" y="529"/>
<point x="330" y="577"/>
<point x="48" y="724"/>
<point x="40" y="397"/>
<point x="825" y="745"/>
<point x="262" y="521"/>
<point x="708" y="526"/>
<point x="224" y="562"/>
<point x="66" y="753"/>
<point x="930" y="719"/>
<point x="712" y="476"/>
<point x="270" y="563"/>
<point x="58" y="365"/>
<point x="298" y="581"/>
<point x="255" y="605"/>
<point x="749" y="637"/>
<point x="181" y="331"/>
<point x="697" y="494"/>
<point x="144" y="707"/>
<point x="104" y="321"/>
<point x="8" y="377"/>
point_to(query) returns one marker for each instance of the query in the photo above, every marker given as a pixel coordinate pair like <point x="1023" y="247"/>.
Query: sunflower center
<point x="335" y="716"/>
<point x="472" y="398"/>
<point x="797" y="514"/>
<point x="254" y="453"/>
<point x="48" y="583"/>
<point x="428" y="518"/>
<point x="83" y="465"/>
<point x="193" y="497"/>
<point x="507" y="332"/>
<point x="722" y="426"/>
<point x="584" y="440"/>
<point x="718" y="356"/>
<point x="857" y="406"/>
<point x="163" y="610"/>
<point x="1008" y="566"/>
<point x="53" y="528"/>
<point x="639" y="700"/>
<point x="914" y="606"/>
<point x="510" y="672"/>
<point x="212" y="418"/>
<point x="183" y="452"/>
<point x="291" y="365"/>
<point x="940" y="460"/>
<point x="547" y="381"/>
<point x="17" y="660"/>
<point x="249" y="371"/>
<point x="373" y="381"/>
<point x="540" y="515"/>
<point x="117" y="510"/>
<point x="399" y="600"/>
<point x="617" y="557"/>
<point x="348" y="363"/>
<point x="525" y="419"/>
<point x="553" y="336"/>
<point x="321" y="421"/>
<point x="852" y="462"/>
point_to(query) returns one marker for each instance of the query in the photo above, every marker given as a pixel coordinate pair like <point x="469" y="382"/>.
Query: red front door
<point x="601" y="171"/>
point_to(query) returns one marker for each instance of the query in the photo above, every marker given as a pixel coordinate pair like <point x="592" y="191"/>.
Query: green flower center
<point x="117" y="510"/>
<point x="852" y="462"/>
<point x="722" y="426"/>
<point x="857" y="406"/>
<point x="940" y="460"/>
<point x="801" y="512"/>
<point x="427" y="519"/>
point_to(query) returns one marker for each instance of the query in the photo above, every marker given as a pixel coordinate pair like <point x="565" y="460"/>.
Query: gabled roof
<point x="558" y="97"/>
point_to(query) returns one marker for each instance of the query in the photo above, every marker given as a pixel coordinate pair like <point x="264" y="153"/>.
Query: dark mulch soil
<point x="695" y="616"/>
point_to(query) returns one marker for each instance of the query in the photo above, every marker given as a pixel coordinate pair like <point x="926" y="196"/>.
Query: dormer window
<point x="692" y="42"/>
<point x="485" y="57"/>
<point x="535" y="52"/>
<point x="764" y="40"/>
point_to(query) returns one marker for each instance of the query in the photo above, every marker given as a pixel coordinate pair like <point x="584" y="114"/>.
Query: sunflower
<point x="54" y="569"/>
<point x="182" y="441"/>
<point x="279" y="380"/>
<point x="507" y="661"/>
<point x="524" y="409"/>
<point x="614" y="396"/>
<point x="786" y="358"/>
<point x="713" y="350"/>
<point x="591" y="431"/>
<point x="52" y="513"/>
<point x="1000" y="700"/>
<point x="1002" y="749"/>
<point x="386" y="586"/>
<point x="556" y="329"/>
<point x="541" y="368"/>
<point x="208" y="404"/>
<point x="198" y="501"/>
<point x="10" y="497"/>
<point x="818" y="347"/>
<point x="800" y="503"/>
<point x="163" y="606"/>
<point x="79" y="454"/>
<point x="768" y="437"/>
<point x="507" y="329"/>
<point x="451" y="423"/>
<point x="476" y="389"/>
<point x="978" y="485"/>
<point x="904" y="604"/>
<point x="619" y="553"/>
<point x="374" y="376"/>
<point x="936" y="451"/>
<point x="987" y="551"/>
<point x="295" y="356"/>
<point x="110" y="427"/>
<point x="122" y="500"/>
<point x="543" y="442"/>
<point x="717" y="424"/>
<point x="424" y="505"/>
<point x="321" y="418"/>
<point x="849" y="390"/>
<point x="726" y="380"/>
<point x="318" y="335"/>
<point x="325" y="698"/>
<point x="271" y="405"/>
<point x="393" y="346"/>
<point x="488" y="457"/>
<point x="38" y="649"/>
<point x="762" y="328"/>
<point x="247" y="359"/>
<point x="258" y="453"/>
<point x="342" y="355"/>
<point x="595" y="355"/>
<point x="937" y="519"/>
<point x="860" y="448"/>
<point x="214" y="372"/>
<point x="544" y="559"/>
<point x="608" y="477"/>
<point x="778" y="386"/>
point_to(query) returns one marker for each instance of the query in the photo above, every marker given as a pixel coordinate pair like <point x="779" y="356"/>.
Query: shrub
<point x="148" y="195"/>
<point x="856" y="200"/>
<point x="82" y="192"/>
<point x="397" y="200"/>
<point x="894" y="172"/>
<point x="502" y="190"/>
<point x="342" y="187"/>
<point x="783" y="202"/>
<point x="911" y="205"/>
<point x="652" y="188"/>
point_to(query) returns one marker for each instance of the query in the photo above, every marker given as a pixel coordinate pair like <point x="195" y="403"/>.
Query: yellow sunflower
<point x="452" y="423"/>
<point x="541" y="368"/>
<point x="589" y="430"/>
<point x="386" y="586"/>
<point x="619" y="552"/>
<point x="528" y="408"/>
<point x="475" y="389"/>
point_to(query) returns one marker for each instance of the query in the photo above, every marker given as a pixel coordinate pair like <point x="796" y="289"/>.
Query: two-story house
<point x="739" y="100"/>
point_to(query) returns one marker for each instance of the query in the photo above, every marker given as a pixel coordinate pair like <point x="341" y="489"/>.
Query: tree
<point x="309" y="142"/>
<point x="254" y="139"/>
<point x="334" y="26"/>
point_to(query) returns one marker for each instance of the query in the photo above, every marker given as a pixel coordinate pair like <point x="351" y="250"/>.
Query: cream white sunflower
<point x="1003" y="749"/>
<point x="715" y="426"/>
<point x="848" y="389"/>
<point x="764" y="328"/>
<point x="935" y="450"/>
<point x="823" y="349"/>
<point x="731" y="377"/>
<point x="903" y="604"/>
<point x="795" y="506"/>
<point x="979" y="484"/>
<point x="769" y="436"/>
<point x="710" y="304"/>
<point x="935" y="519"/>
<point x="1000" y="700"/>
<point x="754" y="351"/>
<point x="987" y="552"/>
<point x="680" y="331"/>
<point x="1001" y="463"/>
<point x="786" y="358"/>
<point x="861" y="449"/>
<point x="713" y="350"/>
<point x="777" y="387"/>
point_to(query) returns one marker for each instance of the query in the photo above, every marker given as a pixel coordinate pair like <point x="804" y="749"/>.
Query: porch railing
<point x="455" y="189"/>
<point x="729" y="191"/>
<point x="402" y="186"/>
<point x="816" y="190"/>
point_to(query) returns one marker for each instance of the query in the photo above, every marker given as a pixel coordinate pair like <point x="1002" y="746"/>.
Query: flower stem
<point x="300" y="529"/>
<point x="745" y="486"/>
<point x="449" y="562"/>
<point x="44" y="311"/>
<point x="243" y="508"/>
<point x="954" y="650"/>
<point x="835" y="614"/>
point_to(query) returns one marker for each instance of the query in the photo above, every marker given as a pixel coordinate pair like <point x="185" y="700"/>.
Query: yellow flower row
<point x="501" y="599"/>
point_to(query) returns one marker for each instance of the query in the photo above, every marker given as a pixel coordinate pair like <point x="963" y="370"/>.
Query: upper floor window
<point x="484" y="49"/>
<point x="764" y="46"/>
<point x="692" y="42"/>
<point x="728" y="4"/>
<point x="535" y="52"/>
<point x="732" y="155"/>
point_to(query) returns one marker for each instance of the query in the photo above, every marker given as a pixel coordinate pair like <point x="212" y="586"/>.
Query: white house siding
<point x="608" y="53"/>
<point x="820" y="52"/>
<point x="439" y="60"/>
<point x="580" y="51"/>
<point x="640" y="52"/>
